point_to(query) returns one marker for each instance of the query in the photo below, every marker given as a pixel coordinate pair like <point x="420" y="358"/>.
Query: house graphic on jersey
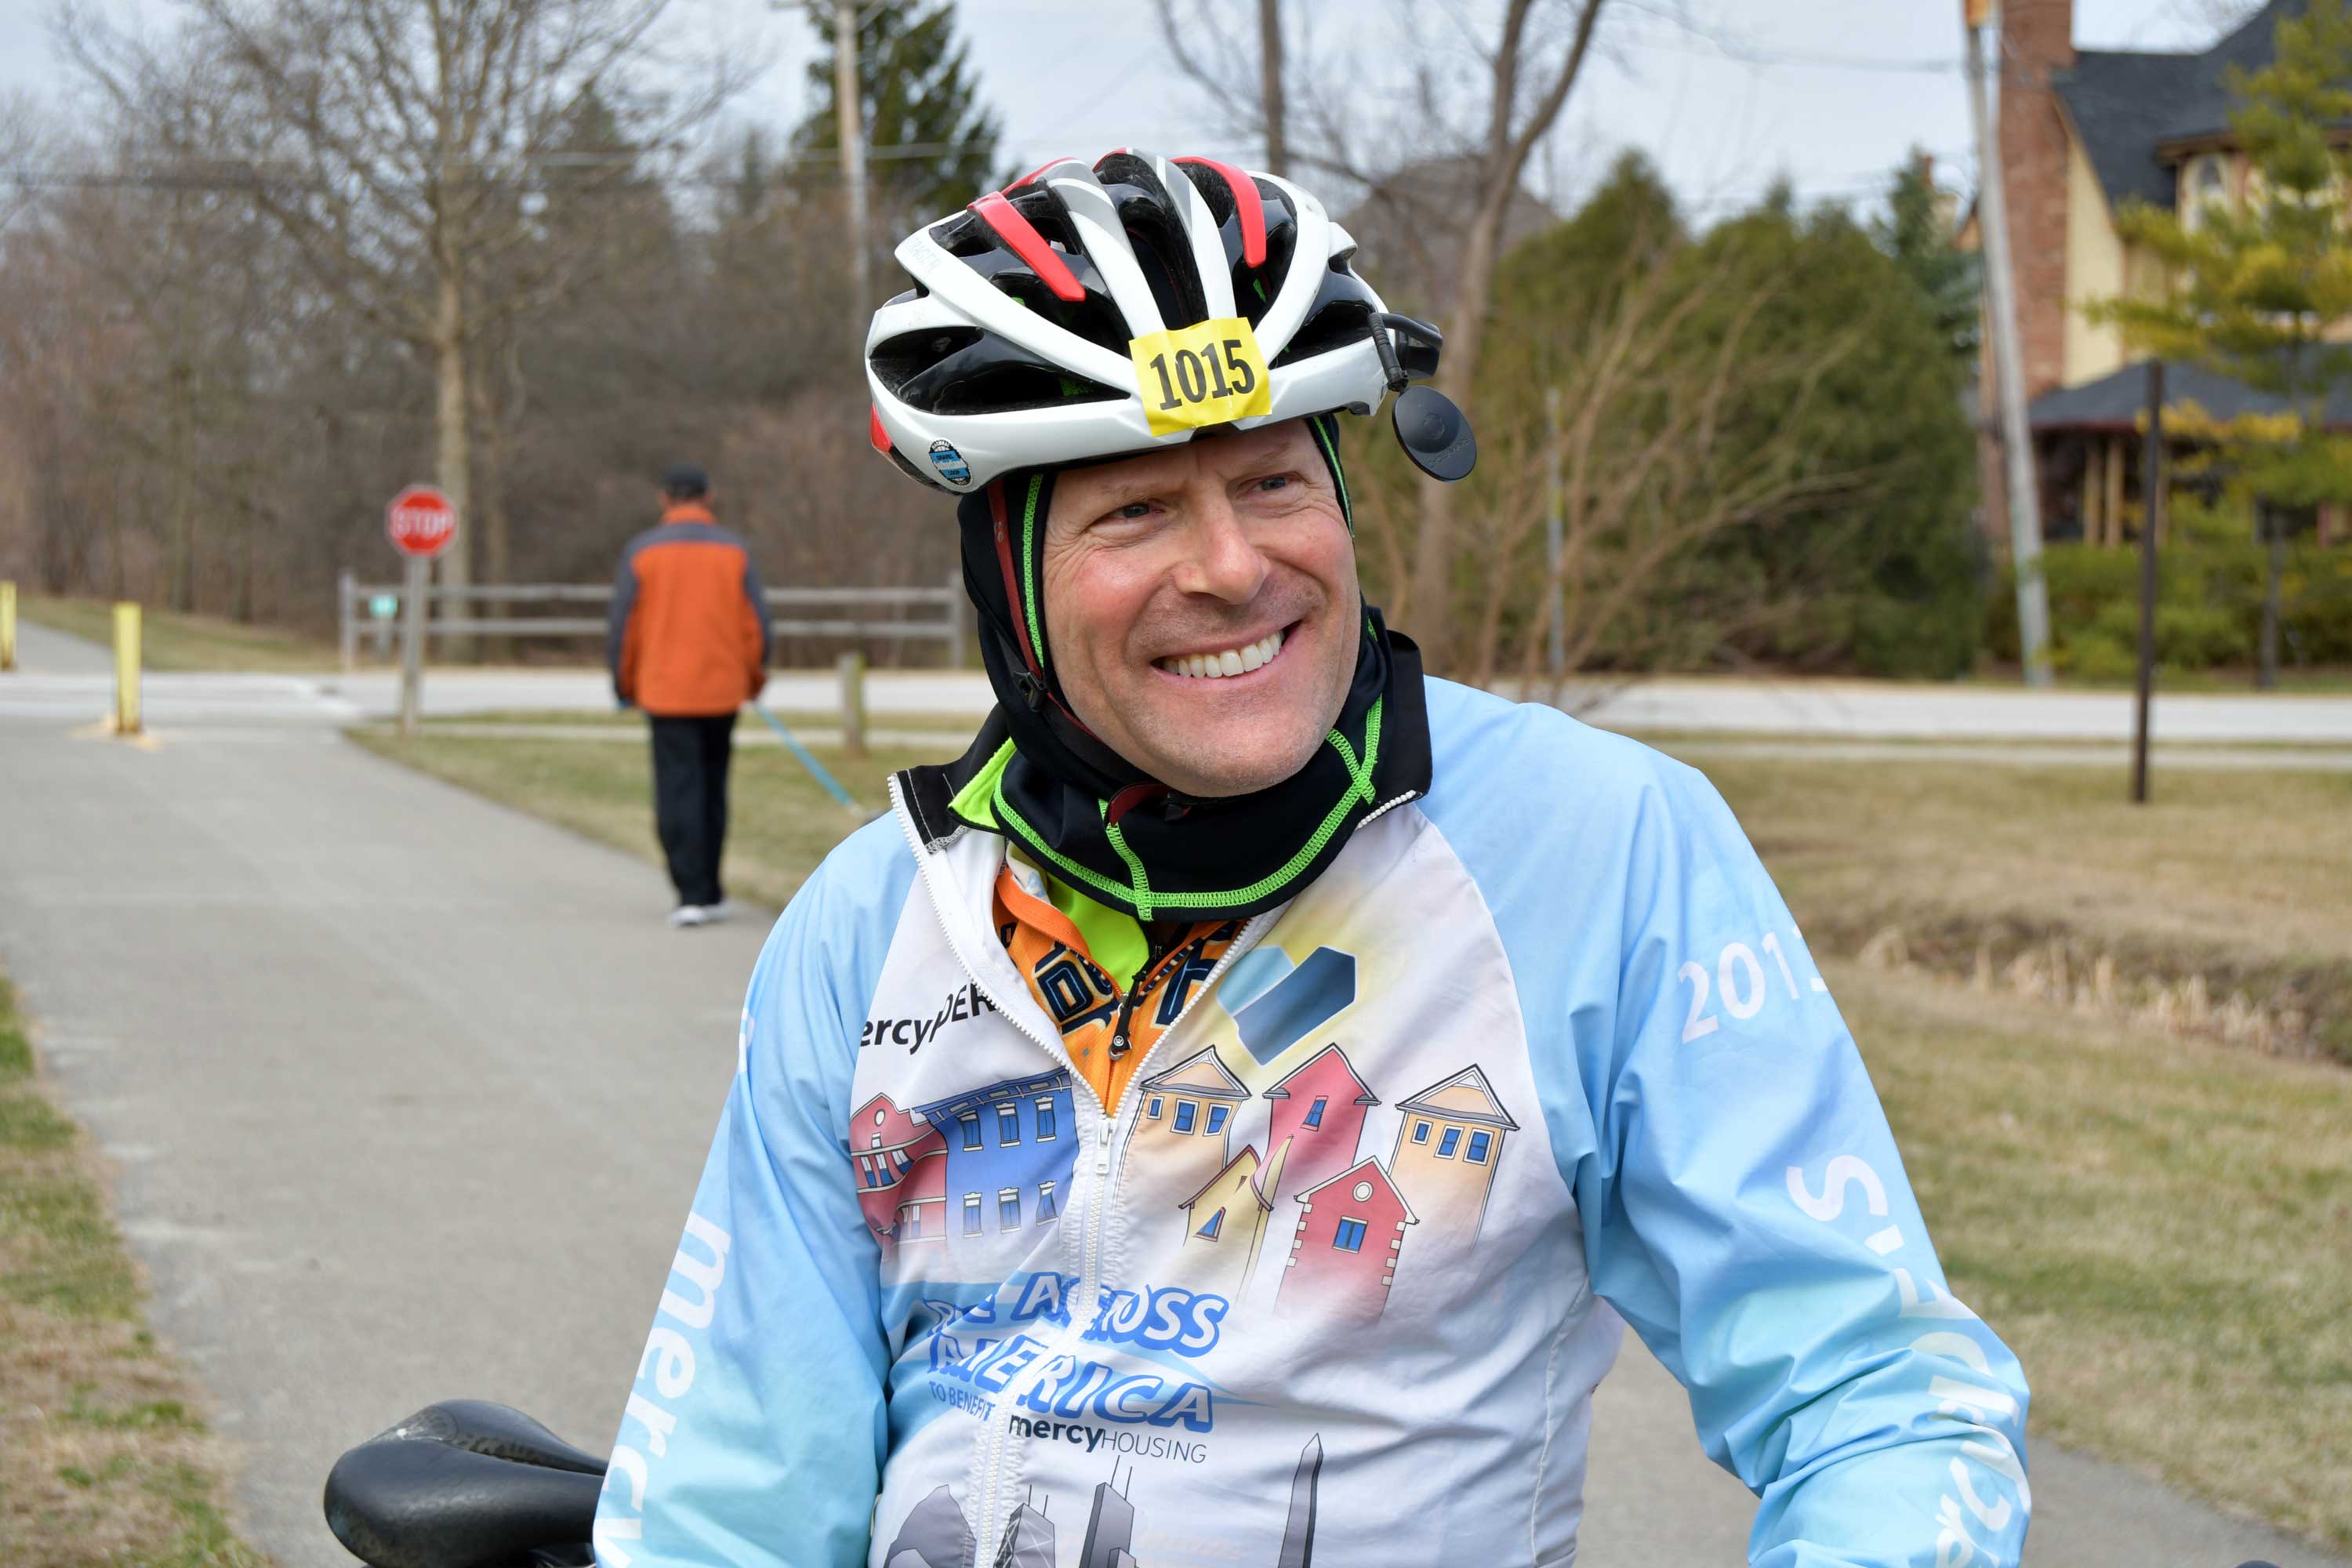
<point x="1318" y="1111"/>
<point x="1225" y="1221"/>
<point x="1183" y="1136"/>
<point x="1447" y="1147"/>
<point x="1344" y="1256"/>
<point x="902" y="1169"/>
<point x="1010" y="1150"/>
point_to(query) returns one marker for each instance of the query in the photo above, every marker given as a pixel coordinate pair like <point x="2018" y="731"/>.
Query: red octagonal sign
<point x="420" y="521"/>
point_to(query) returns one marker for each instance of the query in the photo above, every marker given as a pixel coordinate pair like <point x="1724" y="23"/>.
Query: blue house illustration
<point x="1011" y="1148"/>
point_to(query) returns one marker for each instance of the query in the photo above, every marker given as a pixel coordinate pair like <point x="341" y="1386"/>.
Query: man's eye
<point x="1274" y="482"/>
<point x="1133" y="509"/>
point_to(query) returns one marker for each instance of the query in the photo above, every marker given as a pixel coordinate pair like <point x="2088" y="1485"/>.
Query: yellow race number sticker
<point x="1211" y="373"/>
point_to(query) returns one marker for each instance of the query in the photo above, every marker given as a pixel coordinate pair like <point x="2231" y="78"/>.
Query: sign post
<point x="420" y="524"/>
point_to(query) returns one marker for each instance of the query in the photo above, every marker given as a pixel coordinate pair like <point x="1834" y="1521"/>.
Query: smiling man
<point x="1231" y="1114"/>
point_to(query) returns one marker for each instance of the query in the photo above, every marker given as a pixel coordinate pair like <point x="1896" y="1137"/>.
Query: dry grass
<point x="171" y="640"/>
<point x="2161" y="1229"/>
<point x="2228" y="884"/>
<point x="782" y="821"/>
<point x="107" y="1462"/>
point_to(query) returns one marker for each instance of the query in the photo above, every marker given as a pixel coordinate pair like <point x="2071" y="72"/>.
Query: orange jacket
<point x="688" y="632"/>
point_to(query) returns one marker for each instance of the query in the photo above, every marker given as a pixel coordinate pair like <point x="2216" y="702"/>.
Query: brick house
<point x="901" y="1173"/>
<point x="2083" y="132"/>
<point x="1010" y="1150"/>
<point x="1344" y="1257"/>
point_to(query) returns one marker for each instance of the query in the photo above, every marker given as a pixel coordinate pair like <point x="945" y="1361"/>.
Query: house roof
<point x="2125" y="105"/>
<point x="1314" y="1065"/>
<point x="1367" y="1169"/>
<point x="1446" y="1098"/>
<point x="1210" y="1080"/>
<point x="1248" y="1156"/>
<point x="2114" y="402"/>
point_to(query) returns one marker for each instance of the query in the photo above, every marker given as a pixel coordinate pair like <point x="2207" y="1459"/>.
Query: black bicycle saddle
<point x="465" y="1484"/>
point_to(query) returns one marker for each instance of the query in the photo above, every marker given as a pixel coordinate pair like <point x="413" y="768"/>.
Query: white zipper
<point x="998" y="1429"/>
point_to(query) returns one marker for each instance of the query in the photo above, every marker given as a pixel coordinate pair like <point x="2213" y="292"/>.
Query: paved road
<point x="407" y="1094"/>
<point x="79" y="690"/>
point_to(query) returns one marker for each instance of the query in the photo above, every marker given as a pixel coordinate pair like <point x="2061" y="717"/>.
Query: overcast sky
<point x="1828" y="94"/>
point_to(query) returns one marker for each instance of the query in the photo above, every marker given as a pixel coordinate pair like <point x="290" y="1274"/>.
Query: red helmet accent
<point x="874" y="431"/>
<point x="1033" y="174"/>
<point x="1030" y="246"/>
<point x="1247" y="206"/>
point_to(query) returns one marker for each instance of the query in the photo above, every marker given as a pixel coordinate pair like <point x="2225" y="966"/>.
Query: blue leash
<point x="816" y="769"/>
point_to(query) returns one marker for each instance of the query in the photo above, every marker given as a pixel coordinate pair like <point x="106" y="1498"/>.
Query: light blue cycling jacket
<point x="1333" y="1283"/>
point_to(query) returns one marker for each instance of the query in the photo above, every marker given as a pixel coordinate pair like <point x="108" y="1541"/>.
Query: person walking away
<point x="687" y="642"/>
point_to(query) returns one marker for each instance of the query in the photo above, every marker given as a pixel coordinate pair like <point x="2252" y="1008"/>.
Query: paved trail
<point x="407" y="1094"/>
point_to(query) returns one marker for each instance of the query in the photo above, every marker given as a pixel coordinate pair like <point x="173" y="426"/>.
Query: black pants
<point x="691" y="761"/>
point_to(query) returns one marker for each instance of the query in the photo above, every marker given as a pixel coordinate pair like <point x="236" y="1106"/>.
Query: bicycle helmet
<point x="1025" y="340"/>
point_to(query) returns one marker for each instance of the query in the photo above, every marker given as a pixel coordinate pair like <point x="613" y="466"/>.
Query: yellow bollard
<point x="8" y="625"/>
<point x="126" y="669"/>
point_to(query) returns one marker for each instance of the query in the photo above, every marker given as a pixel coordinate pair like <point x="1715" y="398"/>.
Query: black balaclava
<point x="1095" y="822"/>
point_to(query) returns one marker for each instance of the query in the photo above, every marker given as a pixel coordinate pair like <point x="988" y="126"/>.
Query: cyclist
<point x="1230" y="1114"/>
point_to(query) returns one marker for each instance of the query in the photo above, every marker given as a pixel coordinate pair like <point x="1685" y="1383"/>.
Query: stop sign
<point x="420" y="522"/>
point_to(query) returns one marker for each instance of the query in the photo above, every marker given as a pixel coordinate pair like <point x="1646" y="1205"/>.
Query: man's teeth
<point x="1232" y="661"/>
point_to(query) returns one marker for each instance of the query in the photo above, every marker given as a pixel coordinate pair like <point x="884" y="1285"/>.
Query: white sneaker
<point x="713" y="913"/>
<point x="688" y="915"/>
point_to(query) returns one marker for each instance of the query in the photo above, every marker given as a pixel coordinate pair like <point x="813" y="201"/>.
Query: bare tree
<point x="1526" y="73"/>
<point x="392" y="142"/>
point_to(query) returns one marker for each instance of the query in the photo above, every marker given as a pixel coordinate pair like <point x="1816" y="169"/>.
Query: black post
<point x="2151" y="511"/>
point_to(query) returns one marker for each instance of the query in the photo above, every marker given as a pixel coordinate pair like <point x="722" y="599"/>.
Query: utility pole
<point x="2008" y="372"/>
<point x="2151" y="510"/>
<point x="849" y="112"/>
<point x="1269" y="57"/>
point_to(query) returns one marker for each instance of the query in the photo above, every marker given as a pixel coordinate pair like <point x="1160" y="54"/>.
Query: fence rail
<point x="355" y="600"/>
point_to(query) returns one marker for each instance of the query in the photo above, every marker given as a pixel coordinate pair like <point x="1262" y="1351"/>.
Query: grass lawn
<point x="2229" y="884"/>
<point x="781" y="823"/>
<point x="2154" y="1220"/>
<point x="169" y="640"/>
<point x="107" y="1462"/>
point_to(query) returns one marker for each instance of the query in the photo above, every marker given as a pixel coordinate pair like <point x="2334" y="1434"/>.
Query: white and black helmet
<point x="1025" y="340"/>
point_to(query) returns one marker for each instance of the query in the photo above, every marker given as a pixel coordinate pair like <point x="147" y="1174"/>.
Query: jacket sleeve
<point x="620" y="656"/>
<point x="1747" y="1213"/>
<point x="757" y="641"/>
<point x="753" y="1437"/>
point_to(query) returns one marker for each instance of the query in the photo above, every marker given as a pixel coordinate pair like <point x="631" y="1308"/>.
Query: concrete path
<point x="406" y="1094"/>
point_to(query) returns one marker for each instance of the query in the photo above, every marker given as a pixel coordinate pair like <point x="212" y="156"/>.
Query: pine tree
<point x="1916" y="234"/>
<point x="2257" y="287"/>
<point x="919" y="91"/>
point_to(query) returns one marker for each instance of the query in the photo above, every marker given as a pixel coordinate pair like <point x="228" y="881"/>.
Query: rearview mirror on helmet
<point x="1435" y="434"/>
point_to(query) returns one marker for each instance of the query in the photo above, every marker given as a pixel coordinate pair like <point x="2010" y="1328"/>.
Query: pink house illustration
<point x="1225" y="1223"/>
<point x="1344" y="1257"/>
<point x="1447" y="1150"/>
<point x="1318" y="1111"/>
<point x="901" y="1166"/>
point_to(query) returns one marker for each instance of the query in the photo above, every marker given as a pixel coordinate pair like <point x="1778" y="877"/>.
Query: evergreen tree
<point x="2257" y="287"/>
<point x="919" y="91"/>
<point x="1917" y="234"/>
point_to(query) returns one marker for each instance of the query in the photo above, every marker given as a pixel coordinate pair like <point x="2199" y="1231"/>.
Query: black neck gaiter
<point x="1092" y="819"/>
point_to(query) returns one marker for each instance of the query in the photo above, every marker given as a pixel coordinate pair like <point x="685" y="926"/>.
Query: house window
<point x="910" y="1222"/>
<point x="1185" y="1110"/>
<point x="1217" y="1114"/>
<point x="1048" y="1205"/>
<point x="1008" y="1208"/>
<point x="871" y="1179"/>
<point x="900" y="1155"/>
<point x="876" y="1142"/>
<point x="1450" y="1143"/>
<point x="971" y="1130"/>
<point x="1153" y="1111"/>
<point x="1008" y="1126"/>
<point x="1045" y="1119"/>
<point x="1216" y="1222"/>
<point x="1479" y="1143"/>
<point x="1315" y="1111"/>
<point x="971" y="1214"/>
<point x="1421" y="1131"/>
<point x="1350" y="1237"/>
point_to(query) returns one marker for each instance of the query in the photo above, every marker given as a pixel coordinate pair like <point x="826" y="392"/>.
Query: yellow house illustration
<point x="1183" y="1135"/>
<point x="1448" y="1144"/>
<point x="1224" y="1222"/>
